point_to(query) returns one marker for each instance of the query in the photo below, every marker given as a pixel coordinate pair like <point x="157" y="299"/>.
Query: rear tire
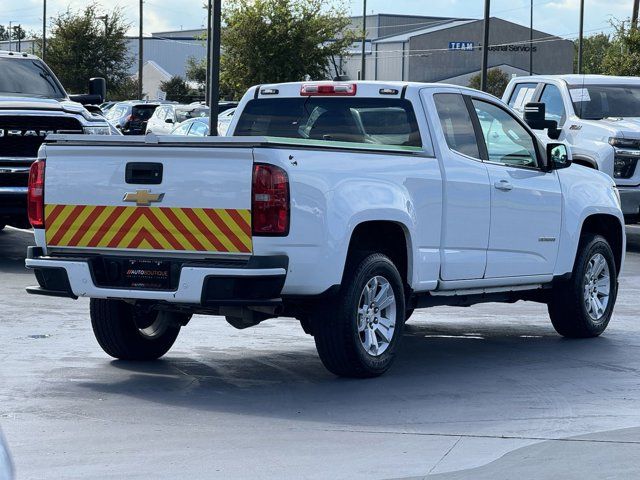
<point x="128" y="333"/>
<point x="358" y="332"/>
<point x="581" y="307"/>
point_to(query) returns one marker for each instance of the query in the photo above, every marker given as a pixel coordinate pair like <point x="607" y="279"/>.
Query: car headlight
<point x="624" y="142"/>
<point x="101" y="130"/>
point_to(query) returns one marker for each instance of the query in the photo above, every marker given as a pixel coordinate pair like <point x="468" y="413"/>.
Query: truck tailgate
<point x="148" y="198"/>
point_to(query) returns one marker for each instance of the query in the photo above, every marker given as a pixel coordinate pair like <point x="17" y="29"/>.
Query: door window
<point x="456" y="123"/>
<point x="181" y="130"/>
<point x="507" y="140"/>
<point x="552" y="98"/>
<point x="521" y="95"/>
<point x="198" y="129"/>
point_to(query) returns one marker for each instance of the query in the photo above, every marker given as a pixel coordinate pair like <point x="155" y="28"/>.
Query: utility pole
<point x="580" y="36"/>
<point x="44" y="29"/>
<point x="10" y="35"/>
<point x="140" y="54"/>
<point x="531" y="40"/>
<point x="207" y="82"/>
<point x="485" y="46"/>
<point x="363" y="63"/>
<point x="634" y="16"/>
<point x="19" y="30"/>
<point x="214" y="68"/>
<point x="105" y="19"/>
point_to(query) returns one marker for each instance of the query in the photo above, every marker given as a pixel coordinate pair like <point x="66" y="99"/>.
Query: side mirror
<point x="534" y="116"/>
<point x="98" y="86"/>
<point x="557" y="156"/>
<point x="168" y="120"/>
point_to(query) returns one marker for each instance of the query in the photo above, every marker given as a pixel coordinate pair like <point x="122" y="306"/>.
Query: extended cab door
<point x="466" y="190"/>
<point x="526" y="202"/>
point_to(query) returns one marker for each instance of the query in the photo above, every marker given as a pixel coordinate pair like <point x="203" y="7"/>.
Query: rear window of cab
<point x="370" y="121"/>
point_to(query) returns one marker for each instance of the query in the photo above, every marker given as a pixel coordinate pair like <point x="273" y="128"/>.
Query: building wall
<point x="432" y="61"/>
<point x="170" y="54"/>
<point x="389" y="65"/>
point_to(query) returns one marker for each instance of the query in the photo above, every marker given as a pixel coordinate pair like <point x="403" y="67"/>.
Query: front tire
<point x="581" y="307"/>
<point x="358" y="332"/>
<point x="130" y="333"/>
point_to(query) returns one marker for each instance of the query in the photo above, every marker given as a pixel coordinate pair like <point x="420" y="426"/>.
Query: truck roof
<point x="10" y="54"/>
<point x="574" y="79"/>
<point x="363" y="87"/>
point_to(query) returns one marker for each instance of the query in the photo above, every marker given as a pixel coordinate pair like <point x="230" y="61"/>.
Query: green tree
<point x="266" y="41"/>
<point x="196" y="71"/>
<point x="18" y="32"/>
<point x="176" y="89"/>
<point x="125" y="90"/>
<point x="623" y="56"/>
<point x="594" y="50"/>
<point x="496" y="82"/>
<point x="85" y="44"/>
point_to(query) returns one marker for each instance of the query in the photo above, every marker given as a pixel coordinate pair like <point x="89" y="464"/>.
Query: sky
<point x="558" y="17"/>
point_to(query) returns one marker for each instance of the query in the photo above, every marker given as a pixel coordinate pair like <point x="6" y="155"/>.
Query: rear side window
<point x="143" y="112"/>
<point x="375" y="121"/>
<point x="456" y="124"/>
<point x="117" y="112"/>
<point x="521" y="95"/>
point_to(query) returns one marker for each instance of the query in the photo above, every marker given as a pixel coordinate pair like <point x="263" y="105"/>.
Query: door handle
<point x="503" y="185"/>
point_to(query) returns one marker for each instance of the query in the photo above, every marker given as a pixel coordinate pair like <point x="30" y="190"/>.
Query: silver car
<point x="6" y="466"/>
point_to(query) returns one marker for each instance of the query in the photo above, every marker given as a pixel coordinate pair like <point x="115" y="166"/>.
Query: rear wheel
<point x="128" y="332"/>
<point x="358" y="332"/>
<point x="582" y="306"/>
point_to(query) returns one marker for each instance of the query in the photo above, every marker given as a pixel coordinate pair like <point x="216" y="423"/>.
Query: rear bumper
<point x="630" y="198"/>
<point x="258" y="282"/>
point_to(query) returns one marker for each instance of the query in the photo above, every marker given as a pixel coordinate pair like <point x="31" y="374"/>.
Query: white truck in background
<point x="597" y="116"/>
<point x="344" y="205"/>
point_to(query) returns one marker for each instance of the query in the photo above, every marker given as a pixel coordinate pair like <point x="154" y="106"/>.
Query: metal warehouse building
<point x="438" y="49"/>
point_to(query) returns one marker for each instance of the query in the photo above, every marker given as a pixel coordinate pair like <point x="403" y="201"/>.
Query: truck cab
<point x="597" y="116"/>
<point x="34" y="104"/>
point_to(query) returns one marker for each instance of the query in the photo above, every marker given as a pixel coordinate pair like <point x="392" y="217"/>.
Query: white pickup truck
<point x="597" y="116"/>
<point x="344" y="205"/>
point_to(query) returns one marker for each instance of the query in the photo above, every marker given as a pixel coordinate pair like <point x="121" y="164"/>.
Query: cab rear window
<point x="375" y="121"/>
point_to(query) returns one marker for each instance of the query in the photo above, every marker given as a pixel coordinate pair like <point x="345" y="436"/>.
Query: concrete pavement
<point x="483" y="392"/>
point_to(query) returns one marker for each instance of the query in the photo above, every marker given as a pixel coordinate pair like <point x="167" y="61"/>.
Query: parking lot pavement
<point x="483" y="392"/>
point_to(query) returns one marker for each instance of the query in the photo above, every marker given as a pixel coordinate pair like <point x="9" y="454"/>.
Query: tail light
<point x="270" y="201"/>
<point x="35" y="194"/>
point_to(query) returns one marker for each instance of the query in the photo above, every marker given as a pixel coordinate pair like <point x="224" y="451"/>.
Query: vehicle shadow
<point x="445" y="373"/>
<point x="13" y="249"/>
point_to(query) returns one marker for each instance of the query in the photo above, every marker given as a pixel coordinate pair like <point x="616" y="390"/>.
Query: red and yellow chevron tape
<point x="149" y="228"/>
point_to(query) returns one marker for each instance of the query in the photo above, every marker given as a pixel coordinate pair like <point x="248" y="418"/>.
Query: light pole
<point x="140" y="54"/>
<point x="214" y="67"/>
<point x="44" y="29"/>
<point x="363" y="64"/>
<point x="207" y="80"/>
<point x="634" y="15"/>
<point x="485" y="46"/>
<point x="531" y="40"/>
<point x="580" y="36"/>
<point x="10" y="35"/>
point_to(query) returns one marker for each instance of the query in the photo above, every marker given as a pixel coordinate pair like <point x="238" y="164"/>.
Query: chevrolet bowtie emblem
<point x="143" y="198"/>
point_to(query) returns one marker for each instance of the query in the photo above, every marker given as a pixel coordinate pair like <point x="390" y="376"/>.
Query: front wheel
<point x="128" y="332"/>
<point x="582" y="306"/>
<point x="358" y="332"/>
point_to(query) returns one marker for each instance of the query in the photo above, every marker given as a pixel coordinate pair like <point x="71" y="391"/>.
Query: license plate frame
<point x="147" y="274"/>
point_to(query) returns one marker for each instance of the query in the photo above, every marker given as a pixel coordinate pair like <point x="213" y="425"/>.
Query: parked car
<point x="597" y="116"/>
<point x="106" y="106"/>
<point x="131" y="117"/>
<point x="224" y="120"/>
<point x="195" y="127"/>
<point x="166" y="117"/>
<point x="344" y="205"/>
<point x="33" y="104"/>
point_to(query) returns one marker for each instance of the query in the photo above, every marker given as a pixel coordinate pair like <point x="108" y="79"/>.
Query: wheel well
<point x="609" y="227"/>
<point x="386" y="237"/>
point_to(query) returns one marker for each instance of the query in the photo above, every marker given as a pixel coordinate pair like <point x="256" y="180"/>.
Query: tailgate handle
<point x="144" y="173"/>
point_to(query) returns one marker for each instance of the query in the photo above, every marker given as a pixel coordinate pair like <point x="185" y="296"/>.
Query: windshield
<point x="378" y="121"/>
<point x="26" y="77"/>
<point x="594" y="102"/>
